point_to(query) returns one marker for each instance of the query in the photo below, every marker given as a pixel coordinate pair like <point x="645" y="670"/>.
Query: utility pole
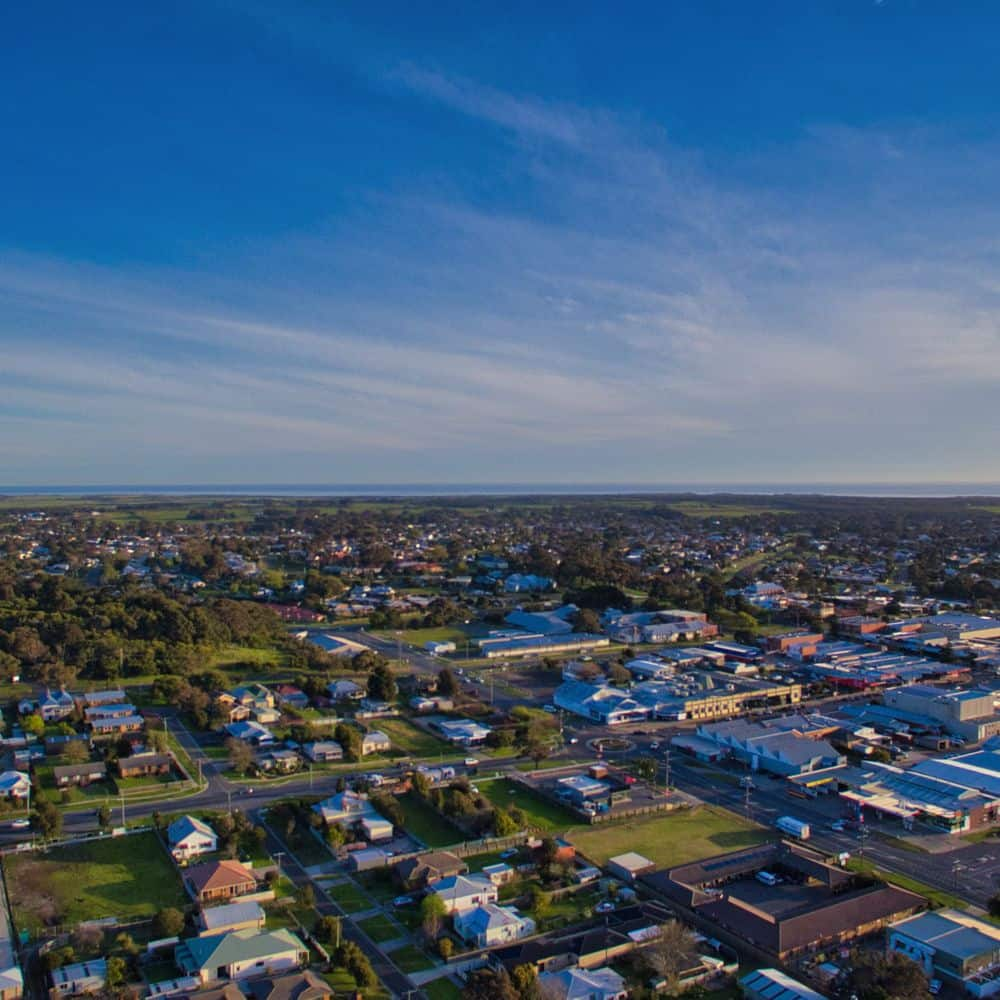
<point x="123" y="809"/>
<point x="310" y="777"/>
<point x="229" y="800"/>
<point x="278" y="855"/>
<point x="666" y="770"/>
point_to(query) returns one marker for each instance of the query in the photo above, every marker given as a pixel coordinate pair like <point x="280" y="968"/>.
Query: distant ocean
<point x="386" y="490"/>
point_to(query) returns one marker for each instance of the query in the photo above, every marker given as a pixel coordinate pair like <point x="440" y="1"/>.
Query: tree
<point x="886" y="976"/>
<point x="432" y="914"/>
<point x="114" y="974"/>
<point x="994" y="905"/>
<point x="445" y="947"/>
<point x="76" y="752"/>
<point x="328" y="930"/>
<point x="47" y="819"/>
<point x="104" y="817"/>
<point x="382" y="683"/>
<point x="619" y="674"/>
<point x="350" y="739"/>
<point x="306" y="896"/>
<point x="168" y="922"/>
<point x="587" y="620"/>
<point x="34" y="725"/>
<point x="503" y="823"/>
<point x="489" y="984"/>
<point x="525" y="980"/>
<point x="447" y="683"/>
<point x="240" y="755"/>
<point x="666" y="955"/>
<point x="645" y="768"/>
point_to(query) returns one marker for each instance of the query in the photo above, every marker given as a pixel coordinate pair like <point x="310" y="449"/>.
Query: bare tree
<point x="668" y="953"/>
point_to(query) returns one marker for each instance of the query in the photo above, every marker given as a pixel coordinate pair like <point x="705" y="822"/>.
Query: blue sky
<point x="315" y="242"/>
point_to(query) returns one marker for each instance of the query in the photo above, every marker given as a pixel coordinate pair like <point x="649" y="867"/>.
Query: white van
<point x="767" y="878"/>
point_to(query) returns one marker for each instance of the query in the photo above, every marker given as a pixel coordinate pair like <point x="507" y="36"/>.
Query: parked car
<point x="606" y="907"/>
<point x="402" y="901"/>
<point x="934" y="987"/>
<point x="838" y="826"/>
<point x="655" y="745"/>
<point x="572" y="739"/>
<point x="511" y="852"/>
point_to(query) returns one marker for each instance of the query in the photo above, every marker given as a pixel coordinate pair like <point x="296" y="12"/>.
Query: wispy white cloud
<point x="658" y="320"/>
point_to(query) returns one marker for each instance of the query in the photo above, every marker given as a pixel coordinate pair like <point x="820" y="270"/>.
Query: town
<point x="550" y="747"/>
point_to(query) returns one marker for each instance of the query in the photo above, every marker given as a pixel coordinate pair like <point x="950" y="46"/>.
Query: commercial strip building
<point x="785" y="746"/>
<point x="695" y="695"/>
<point x="966" y="712"/>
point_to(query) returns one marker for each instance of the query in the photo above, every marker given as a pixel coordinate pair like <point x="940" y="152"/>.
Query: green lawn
<point x="381" y="928"/>
<point x="442" y="989"/>
<point x="410" y="958"/>
<point x="118" y="877"/>
<point x="541" y="813"/>
<point x="349" y="897"/>
<point x="257" y="658"/>
<point x="671" y="839"/>
<point x="95" y="791"/>
<point x="426" y="824"/>
<point x="412" y="739"/>
<point x="343" y="983"/>
<point x="937" y="896"/>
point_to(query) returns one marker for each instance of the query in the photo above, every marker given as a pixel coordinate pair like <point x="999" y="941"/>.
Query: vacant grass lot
<point x="442" y="989"/>
<point x="424" y="823"/>
<point x="349" y="897"/>
<point x="254" y="658"/>
<point x="410" y="958"/>
<point x="671" y="839"/>
<point x="118" y="877"/>
<point x="381" y="928"/>
<point x="541" y="813"/>
<point x="412" y="739"/>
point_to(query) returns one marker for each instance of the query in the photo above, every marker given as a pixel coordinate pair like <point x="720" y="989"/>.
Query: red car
<point x="629" y="780"/>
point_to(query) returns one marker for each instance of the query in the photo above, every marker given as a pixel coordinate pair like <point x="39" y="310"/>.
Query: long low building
<point x="534" y="645"/>
<point x="694" y="695"/>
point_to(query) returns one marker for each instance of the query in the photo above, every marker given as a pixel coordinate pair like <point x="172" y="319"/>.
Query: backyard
<point x="541" y="814"/>
<point x="672" y="839"/>
<point x="117" y="877"/>
<point x="426" y="824"/>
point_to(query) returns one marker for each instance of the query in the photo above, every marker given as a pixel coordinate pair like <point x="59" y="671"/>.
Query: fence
<point x="82" y="838"/>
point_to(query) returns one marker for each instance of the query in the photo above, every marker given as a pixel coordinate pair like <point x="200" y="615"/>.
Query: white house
<point x="465" y="892"/>
<point x="14" y="784"/>
<point x="583" y="984"/>
<point x="190" y="837"/>
<point x="491" y="924"/>
<point x="375" y="742"/>
<point x="353" y="809"/>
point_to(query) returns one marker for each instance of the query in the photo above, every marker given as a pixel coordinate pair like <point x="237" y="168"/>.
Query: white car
<point x="471" y="761"/>
<point x="572" y="739"/>
<point x="605" y="907"/>
<point x="654" y="745"/>
<point x="20" y="824"/>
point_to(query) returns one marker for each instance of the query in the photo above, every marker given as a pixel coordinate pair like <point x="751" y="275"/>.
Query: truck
<point x="793" y="827"/>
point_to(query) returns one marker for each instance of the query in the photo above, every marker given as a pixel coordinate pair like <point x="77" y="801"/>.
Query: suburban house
<point x="375" y="742"/>
<point x="491" y="924"/>
<point x="244" y="916"/>
<point x="583" y="984"/>
<point x="464" y="732"/>
<point x="114" y="710"/>
<point x="114" y="719"/>
<point x="323" y="751"/>
<point x="142" y="765"/>
<point x="279" y="761"/>
<point x="250" y="732"/>
<point x="240" y="954"/>
<point x="109" y="696"/>
<point x="352" y="809"/>
<point x="79" y="979"/>
<point x="339" y="690"/>
<point x="464" y="892"/>
<point x="14" y="785"/>
<point x="290" y="696"/>
<point x="79" y="774"/>
<point x="305" y="985"/>
<point x="219" y="880"/>
<point x="426" y="869"/>
<point x="54" y="706"/>
<point x="189" y="837"/>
